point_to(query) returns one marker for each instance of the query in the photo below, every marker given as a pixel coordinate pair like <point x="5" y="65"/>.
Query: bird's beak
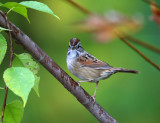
<point x="73" y="47"/>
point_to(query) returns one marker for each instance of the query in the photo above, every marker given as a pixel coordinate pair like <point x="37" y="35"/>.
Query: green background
<point x="129" y="98"/>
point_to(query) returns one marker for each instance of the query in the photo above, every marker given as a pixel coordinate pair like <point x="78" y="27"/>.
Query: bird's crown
<point x="74" y="42"/>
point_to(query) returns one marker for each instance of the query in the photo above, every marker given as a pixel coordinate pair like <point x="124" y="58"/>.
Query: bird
<point x="88" y="68"/>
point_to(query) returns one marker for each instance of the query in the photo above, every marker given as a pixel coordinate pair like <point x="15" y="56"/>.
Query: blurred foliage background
<point x="129" y="98"/>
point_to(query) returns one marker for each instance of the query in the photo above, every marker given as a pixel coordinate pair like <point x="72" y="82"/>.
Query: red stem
<point x="10" y="64"/>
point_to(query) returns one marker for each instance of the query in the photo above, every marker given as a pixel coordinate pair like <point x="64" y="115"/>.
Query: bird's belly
<point x="85" y="73"/>
<point x="104" y="75"/>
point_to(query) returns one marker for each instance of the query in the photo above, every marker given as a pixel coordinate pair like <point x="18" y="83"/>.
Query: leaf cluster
<point x="22" y="77"/>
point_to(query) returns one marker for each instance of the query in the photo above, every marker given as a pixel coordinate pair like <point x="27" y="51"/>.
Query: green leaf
<point x="16" y="7"/>
<point x="22" y="11"/>
<point x="36" y="84"/>
<point x="3" y="47"/>
<point x="13" y="112"/>
<point x="38" y="6"/>
<point x="20" y="80"/>
<point x="25" y="60"/>
<point x="21" y="8"/>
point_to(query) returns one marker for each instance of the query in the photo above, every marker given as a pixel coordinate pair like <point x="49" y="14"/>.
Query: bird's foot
<point x="78" y="83"/>
<point x="94" y="99"/>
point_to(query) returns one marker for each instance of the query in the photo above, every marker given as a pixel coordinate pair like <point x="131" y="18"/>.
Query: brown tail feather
<point x="124" y="70"/>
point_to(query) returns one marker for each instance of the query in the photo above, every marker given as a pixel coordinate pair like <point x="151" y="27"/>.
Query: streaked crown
<point x="74" y="42"/>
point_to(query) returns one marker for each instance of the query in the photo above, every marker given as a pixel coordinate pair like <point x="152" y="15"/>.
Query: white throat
<point x="72" y="56"/>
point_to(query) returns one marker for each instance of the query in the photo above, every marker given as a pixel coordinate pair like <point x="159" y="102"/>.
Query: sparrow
<point x="87" y="67"/>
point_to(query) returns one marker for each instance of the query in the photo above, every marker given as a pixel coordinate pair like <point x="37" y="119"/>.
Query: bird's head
<point x="75" y="44"/>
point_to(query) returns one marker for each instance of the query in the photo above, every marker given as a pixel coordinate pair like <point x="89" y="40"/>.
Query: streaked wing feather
<point x="90" y="61"/>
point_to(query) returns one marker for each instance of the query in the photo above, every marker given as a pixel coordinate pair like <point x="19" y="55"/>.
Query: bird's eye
<point x="79" y="46"/>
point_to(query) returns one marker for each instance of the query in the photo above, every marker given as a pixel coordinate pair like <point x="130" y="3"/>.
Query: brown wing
<point x="90" y="61"/>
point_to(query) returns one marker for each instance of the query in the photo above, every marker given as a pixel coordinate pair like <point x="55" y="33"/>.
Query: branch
<point x="141" y="54"/>
<point x="4" y="103"/>
<point x="10" y="64"/>
<point x="142" y="43"/>
<point x="82" y="96"/>
<point x="80" y="7"/>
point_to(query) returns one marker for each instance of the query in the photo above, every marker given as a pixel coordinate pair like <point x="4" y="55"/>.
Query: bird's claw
<point x="93" y="97"/>
<point x="79" y="84"/>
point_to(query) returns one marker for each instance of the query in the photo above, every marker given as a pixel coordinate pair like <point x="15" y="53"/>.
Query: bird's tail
<point x="124" y="70"/>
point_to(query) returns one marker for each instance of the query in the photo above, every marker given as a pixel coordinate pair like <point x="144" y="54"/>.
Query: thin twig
<point x="10" y="10"/>
<point x="151" y="3"/>
<point x="140" y="53"/>
<point x="142" y="43"/>
<point x="10" y="64"/>
<point x="4" y="103"/>
<point x="82" y="96"/>
<point x="80" y="7"/>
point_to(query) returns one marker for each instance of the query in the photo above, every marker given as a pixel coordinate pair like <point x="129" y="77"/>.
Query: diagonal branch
<point x="82" y="96"/>
<point x="80" y="7"/>
<point x="140" y="53"/>
<point x="142" y="43"/>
